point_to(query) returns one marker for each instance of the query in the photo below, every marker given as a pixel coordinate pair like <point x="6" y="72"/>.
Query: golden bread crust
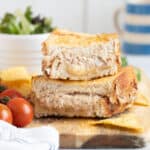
<point x="103" y="97"/>
<point x="79" y="56"/>
<point x="73" y="39"/>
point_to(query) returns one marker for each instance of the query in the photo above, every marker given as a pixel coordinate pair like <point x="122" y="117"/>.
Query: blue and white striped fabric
<point x="137" y="27"/>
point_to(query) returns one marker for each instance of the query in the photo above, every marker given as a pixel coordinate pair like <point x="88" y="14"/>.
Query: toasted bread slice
<point x="96" y="98"/>
<point x="79" y="56"/>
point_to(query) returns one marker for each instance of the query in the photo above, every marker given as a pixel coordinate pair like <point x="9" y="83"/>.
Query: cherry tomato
<point x="5" y="114"/>
<point x="22" y="111"/>
<point x="10" y="93"/>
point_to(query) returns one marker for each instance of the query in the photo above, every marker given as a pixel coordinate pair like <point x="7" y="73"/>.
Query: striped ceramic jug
<point x="136" y="30"/>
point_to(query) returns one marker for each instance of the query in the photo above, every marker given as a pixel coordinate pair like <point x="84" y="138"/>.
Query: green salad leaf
<point x="25" y="23"/>
<point x="9" y="24"/>
<point x="138" y="74"/>
<point x="124" y="62"/>
<point x="28" y="13"/>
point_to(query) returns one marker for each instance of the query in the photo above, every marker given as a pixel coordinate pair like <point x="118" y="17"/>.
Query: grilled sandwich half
<point x="103" y="97"/>
<point x="78" y="56"/>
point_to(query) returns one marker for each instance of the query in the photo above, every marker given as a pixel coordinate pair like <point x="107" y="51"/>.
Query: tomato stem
<point x="5" y="100"/>
<point x="2" y="88"/>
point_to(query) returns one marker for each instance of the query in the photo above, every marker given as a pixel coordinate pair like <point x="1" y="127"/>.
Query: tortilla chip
<point x="21" y="86"/>
<point x="142" y="100"/>
<point x="14" y="74"/>
<point x="126" y="121"/>
<point x="17" y="78"/>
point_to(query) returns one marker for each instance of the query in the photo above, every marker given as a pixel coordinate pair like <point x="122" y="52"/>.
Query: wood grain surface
<point x="78" y="133"/>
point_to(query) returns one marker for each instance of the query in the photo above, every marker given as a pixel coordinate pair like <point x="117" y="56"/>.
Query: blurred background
<point x="91" y="16"/>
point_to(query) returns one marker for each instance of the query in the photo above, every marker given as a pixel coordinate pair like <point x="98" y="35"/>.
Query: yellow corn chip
<point x="15" y="74"/>
<point x="126" y="121"/>
<point x="142" y="100"/>
<point x="17" y="78"/>
<point x="21" y="86"/>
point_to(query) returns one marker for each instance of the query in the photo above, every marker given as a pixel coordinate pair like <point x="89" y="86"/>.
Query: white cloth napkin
<point x="40" y="138"/>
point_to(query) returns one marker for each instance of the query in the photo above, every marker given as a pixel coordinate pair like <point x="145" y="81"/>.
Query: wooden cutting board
<point x="78" y="133"/>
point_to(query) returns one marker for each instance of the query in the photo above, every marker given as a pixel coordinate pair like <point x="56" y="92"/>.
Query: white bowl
<point x="18" y="50"/>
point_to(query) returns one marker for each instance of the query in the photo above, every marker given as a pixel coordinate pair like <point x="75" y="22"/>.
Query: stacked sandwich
<point x="82" y="77"/>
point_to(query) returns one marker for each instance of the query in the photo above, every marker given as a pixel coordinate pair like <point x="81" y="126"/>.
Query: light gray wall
<point x="80" y="15"/>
